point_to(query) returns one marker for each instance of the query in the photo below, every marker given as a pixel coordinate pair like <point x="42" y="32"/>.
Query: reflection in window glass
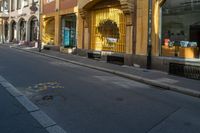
<point x="181" y="28"/>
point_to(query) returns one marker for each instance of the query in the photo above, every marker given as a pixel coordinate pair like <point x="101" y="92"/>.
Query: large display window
<point x="181" y="28"/>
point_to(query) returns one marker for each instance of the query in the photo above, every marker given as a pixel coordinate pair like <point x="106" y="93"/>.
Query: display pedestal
<point x="188" y="52"/>
<point x="168" y="51"/>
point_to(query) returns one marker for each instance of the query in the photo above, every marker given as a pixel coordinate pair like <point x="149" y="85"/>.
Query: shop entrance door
<point x="69" y="30"/>
<point x="195" y="36"/>
<point x="108" y="30"/>
<point x="195" y="33"/>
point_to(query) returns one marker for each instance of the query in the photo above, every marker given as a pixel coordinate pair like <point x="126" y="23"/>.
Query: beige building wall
<point x="23" y="13"/>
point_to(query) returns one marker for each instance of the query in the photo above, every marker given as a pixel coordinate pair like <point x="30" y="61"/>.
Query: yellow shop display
<point x="188" y="52"/>
<point x="108" y="31"/>
<point x="168" y="51"/>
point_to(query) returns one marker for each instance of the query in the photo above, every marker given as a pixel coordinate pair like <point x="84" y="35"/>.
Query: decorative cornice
<point x="161" y="2"/>
<point x="128" y="7"/>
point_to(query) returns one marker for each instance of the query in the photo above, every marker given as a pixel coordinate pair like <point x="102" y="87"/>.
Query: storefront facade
<point x="107" y="26"/>
<point x="176" y="34"/>
<point x="180" y="29"/>
<point x="68" y="24"/>
<point x="58" y="28"/>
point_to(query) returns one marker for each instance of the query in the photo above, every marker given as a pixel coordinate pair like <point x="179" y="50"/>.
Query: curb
<point x="44" y="120"/>
<point x="175" y="88"/>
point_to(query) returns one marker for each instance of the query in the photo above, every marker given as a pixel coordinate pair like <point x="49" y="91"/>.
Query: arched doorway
<point x="13" y="31"/>
<point x="22" y="30"/>
<point x="108" y="29"/>
<point x="106" y="26"/>
<point x="33" y="29"/>
<point x="6" y="31"/>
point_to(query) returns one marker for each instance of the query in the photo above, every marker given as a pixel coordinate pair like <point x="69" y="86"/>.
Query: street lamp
<point x="149" y="44"/>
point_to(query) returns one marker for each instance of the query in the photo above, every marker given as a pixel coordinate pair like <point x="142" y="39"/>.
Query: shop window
<point x="181" y="28"/>
<point x="69" y="30"/>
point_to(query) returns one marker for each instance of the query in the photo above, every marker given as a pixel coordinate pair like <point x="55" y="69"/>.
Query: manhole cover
<point x="47" y="98"/>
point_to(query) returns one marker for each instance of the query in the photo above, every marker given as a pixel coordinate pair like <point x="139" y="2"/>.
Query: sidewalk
<point x="151" y="77"/>
<point x="14" y="118"/>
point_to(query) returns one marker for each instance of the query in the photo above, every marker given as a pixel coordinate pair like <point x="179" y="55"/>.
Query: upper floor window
<point x="1" y="6"/>
<point x="13" y="5"/>
<point x="4" y="6"/>
<point x="34" y="1"/>
<point x="48" y="1"/>
<point x="19" y="4"/>
<point x="25" y="3"/>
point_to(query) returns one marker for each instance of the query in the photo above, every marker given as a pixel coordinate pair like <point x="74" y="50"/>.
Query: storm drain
<point x="47" y="98"/>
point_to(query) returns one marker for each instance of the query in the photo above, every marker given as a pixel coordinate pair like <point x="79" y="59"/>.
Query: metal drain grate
<point x="188" y="71"/>
<point x="47" y="98"/>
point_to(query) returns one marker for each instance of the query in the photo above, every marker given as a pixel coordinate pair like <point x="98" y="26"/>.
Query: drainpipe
<point x="149" y="45"/>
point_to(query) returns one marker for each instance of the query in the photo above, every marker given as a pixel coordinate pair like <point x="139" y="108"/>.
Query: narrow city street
<point x="83" y="100"/>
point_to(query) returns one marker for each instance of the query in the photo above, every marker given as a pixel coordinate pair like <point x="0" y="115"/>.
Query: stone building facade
<point x="22" y="21"/>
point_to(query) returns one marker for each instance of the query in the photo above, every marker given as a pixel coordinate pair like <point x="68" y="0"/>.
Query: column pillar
<point x="57" y="29"/>
<point x="27" y="38"/>
<point x="129" y="34"/>
<point x="17" y="34"/>
<point x="86" y="36"/>
<point x="9" y="32"/>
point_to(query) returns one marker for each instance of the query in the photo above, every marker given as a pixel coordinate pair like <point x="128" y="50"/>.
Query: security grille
<point x="188" y="71"/>
<point x="108" y="31"/>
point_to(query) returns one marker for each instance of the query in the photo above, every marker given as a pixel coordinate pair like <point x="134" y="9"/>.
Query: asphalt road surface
<point x="83" y="100"/>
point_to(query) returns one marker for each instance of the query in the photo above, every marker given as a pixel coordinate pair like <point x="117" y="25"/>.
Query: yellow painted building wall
<point x="156" y="27"/>
<point x="142" y="27"/>
<point x="54" y="27"/>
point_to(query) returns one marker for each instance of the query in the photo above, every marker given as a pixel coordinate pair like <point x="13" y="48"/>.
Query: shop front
<point x="108" y="30"/>
<point x="68" y="30"/>
<point x="180" y="29"/>
<point x="107" y="27"/>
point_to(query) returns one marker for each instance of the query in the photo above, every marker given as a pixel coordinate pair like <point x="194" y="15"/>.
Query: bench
<point x="94" y="55"/>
